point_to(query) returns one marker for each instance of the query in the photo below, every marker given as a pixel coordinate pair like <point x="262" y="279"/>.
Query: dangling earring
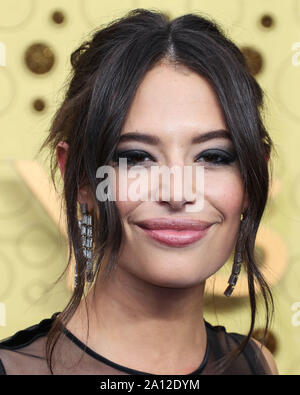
<point x="86" y="231"/>
<point x="236" y="268"/>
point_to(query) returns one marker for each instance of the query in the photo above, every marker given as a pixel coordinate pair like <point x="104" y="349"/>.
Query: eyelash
<point x="139" y="156"/>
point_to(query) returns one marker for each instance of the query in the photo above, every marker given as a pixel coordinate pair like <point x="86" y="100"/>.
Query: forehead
<point x="172" y="98"/>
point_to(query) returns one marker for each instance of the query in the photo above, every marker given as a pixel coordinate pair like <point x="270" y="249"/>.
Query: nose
<point x="175" y="204"/>
<point x="176" y="186"/>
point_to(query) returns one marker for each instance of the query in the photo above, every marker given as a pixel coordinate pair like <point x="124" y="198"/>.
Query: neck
<point x="144" y="326"/>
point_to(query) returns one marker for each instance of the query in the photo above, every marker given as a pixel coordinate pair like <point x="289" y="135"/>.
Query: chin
<point x="171" y="274"/>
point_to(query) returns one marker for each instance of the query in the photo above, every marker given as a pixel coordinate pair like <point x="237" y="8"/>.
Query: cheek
<point x="124" y="204"/>
<point x="225" y="192"/>
<point x="126" y="207"/>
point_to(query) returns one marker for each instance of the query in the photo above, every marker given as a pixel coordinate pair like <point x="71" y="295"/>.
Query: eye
<point x="217" y="157"/>
<point x="133" y="157"/>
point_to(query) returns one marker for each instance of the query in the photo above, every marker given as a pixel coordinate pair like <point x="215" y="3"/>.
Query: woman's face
<point x="174" y="106"/>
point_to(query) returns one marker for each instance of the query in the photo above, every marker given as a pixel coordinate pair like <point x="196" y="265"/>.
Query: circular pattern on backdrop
<point x="39" y="58"/>
<point x="39" y="105"/>
<point x="35" y="290"/>
<point x="7" y="276"/>
<point x="14" y="200"/>
<point x="58" y="17"/>
<point x="8" y="86"/>
<point x="254" y="59"/>
<point x="37" y="246"/>
<point x="16" y="13"/>
<point x="286" y="87"/>
<point x="267" y="21"/>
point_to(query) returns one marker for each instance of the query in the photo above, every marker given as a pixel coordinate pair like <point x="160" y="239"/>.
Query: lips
<point x="173" y="231"/>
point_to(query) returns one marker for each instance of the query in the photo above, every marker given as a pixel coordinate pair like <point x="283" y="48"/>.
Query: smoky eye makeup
<point x="212" y="156"/>
<point x="133" y="157"/>
<point x="217" y="156"/>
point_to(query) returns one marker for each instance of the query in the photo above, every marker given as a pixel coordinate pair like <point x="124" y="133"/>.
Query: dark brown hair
<point x="107" y="70"/>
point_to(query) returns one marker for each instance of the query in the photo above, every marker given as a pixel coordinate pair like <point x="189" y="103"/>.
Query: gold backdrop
<point x="36" y="40"/>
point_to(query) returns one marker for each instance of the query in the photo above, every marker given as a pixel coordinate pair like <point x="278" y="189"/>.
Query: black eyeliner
<point x="227" y="157"/>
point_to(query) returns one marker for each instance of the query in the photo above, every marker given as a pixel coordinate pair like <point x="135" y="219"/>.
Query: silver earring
<point x="236" y="268"/>
<point x="86" y="231"/>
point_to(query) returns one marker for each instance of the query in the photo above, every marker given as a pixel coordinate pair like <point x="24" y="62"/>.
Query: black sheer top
<point x="24" y="354"/>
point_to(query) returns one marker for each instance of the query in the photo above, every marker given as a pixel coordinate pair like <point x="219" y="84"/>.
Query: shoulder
<point x="24" y="350"/>
<point x="26" y="336"/>
<point x="258" y="354"/>
<point x="267" y="355"/>
<point x="254" y="358"/>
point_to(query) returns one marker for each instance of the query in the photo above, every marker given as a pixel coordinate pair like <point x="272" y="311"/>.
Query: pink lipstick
<point x="175" y="232"/>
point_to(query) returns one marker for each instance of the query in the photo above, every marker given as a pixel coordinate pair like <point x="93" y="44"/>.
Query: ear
<point x="62" y="153"/>
<point x="267" y="158"/>
<point x="84" y="192"/>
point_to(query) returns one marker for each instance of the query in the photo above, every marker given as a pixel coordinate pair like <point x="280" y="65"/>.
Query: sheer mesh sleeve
<point x="250" y="362"/>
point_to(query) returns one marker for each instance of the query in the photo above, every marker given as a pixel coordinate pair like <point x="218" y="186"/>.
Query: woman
<point x="158" y="93"/>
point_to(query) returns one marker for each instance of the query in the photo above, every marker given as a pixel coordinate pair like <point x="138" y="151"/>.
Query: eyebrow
<point x="154" y="140"/>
